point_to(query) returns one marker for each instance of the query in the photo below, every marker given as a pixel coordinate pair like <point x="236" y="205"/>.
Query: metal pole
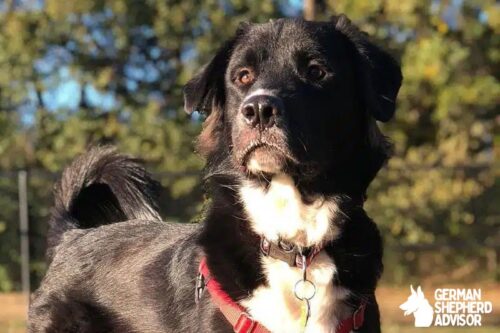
<point x="22" y="179"/>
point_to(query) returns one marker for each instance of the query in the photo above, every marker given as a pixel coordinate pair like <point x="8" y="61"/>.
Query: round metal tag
<point x="304" y="290"/>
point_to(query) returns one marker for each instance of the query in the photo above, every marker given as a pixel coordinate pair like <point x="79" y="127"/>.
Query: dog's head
<point x="297" y="98"/>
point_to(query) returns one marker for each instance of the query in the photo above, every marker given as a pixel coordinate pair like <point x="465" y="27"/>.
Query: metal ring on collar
<point x="308" y="288"/>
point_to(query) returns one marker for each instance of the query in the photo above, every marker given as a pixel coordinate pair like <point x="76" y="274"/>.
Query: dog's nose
<point x="262" y="110"/>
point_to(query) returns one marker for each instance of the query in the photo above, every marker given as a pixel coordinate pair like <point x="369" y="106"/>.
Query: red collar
<point x="241" y="321"/>
<point x="235" y="314"/>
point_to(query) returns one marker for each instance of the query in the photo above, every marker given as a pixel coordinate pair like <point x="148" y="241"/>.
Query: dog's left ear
<point x="380" y="72"/>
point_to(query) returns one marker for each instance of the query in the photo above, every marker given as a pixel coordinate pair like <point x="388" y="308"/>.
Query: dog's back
<point x="110" y="255"/>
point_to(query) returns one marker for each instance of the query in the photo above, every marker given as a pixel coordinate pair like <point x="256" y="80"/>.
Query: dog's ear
<point x="205" y="93"/>
<point x="205" y="90"/>
<point x="381" y="74"/>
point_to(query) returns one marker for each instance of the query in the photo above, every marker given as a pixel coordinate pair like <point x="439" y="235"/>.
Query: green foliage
<point x="123" y="64"/>
<point x="136" y="54"/>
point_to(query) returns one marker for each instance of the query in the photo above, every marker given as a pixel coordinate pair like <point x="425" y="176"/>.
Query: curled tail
<point x="101" y="187"/>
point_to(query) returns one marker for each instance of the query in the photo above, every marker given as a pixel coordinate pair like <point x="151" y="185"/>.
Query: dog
<point x="291" y="142"/>
<point x="419" y="306"/>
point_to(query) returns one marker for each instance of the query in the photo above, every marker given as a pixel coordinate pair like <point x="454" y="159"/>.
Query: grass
<point x="13" y="327"/>
<point x="12" y="313"/>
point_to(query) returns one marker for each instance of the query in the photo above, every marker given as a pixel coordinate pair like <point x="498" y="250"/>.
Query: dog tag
<point x="280" y="203"/>
<point x="305" y="312"/>
<point x="304" y="291"/>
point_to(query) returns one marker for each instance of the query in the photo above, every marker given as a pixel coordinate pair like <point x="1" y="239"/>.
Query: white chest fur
<point x="280" y="212"/>
<point x="276" y="307"/>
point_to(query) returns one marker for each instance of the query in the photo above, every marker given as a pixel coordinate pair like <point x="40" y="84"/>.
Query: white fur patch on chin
<point x="255" y="167"/>
<point x="276" y="307"/>
<point x="279" y="212"/>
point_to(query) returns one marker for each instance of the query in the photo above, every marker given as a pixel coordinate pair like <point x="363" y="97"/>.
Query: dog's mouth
<point x="261" y="156"/>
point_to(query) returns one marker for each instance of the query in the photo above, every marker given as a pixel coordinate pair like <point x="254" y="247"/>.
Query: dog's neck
<point x="241" y="212"/>
<point x="231" y="240"/>
<point x="279" y="212"/>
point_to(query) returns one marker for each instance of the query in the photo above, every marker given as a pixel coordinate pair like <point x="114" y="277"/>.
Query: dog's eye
<point x="245" y="76"/>
<point x="316" y="72"/>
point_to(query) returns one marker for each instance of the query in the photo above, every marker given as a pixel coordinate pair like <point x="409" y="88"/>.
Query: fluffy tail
<point x="101" y="187"/>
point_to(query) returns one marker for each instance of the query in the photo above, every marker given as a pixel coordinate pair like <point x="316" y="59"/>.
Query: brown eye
<point x="245" y="77"/>
<point x="316" y="72"/>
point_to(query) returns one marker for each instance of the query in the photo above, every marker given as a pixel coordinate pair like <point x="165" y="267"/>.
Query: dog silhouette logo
<point x="420" y="307"/>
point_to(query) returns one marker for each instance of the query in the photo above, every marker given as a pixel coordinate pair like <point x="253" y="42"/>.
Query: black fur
<point x="138" y="275"/>
<point x="102" y="187"/>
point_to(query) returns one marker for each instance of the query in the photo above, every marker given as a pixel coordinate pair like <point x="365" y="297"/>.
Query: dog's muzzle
<point x="262" y="111"/>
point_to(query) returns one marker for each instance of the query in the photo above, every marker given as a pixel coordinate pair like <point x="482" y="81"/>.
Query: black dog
<point x="291" y="143"/>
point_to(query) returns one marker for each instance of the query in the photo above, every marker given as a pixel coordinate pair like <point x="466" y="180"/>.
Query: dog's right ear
<point x="205" y="93"/>
<point x="206" y="89"/>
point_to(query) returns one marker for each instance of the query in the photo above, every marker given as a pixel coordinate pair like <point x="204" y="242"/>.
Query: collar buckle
<point x="199" y="288"/>
<point x="289" y="253"/>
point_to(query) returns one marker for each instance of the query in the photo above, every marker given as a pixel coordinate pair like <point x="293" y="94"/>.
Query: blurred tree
<point x="74" y="73"/>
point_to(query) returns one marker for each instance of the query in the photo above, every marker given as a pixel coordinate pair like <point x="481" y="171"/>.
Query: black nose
<point x="262" y="110"/>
